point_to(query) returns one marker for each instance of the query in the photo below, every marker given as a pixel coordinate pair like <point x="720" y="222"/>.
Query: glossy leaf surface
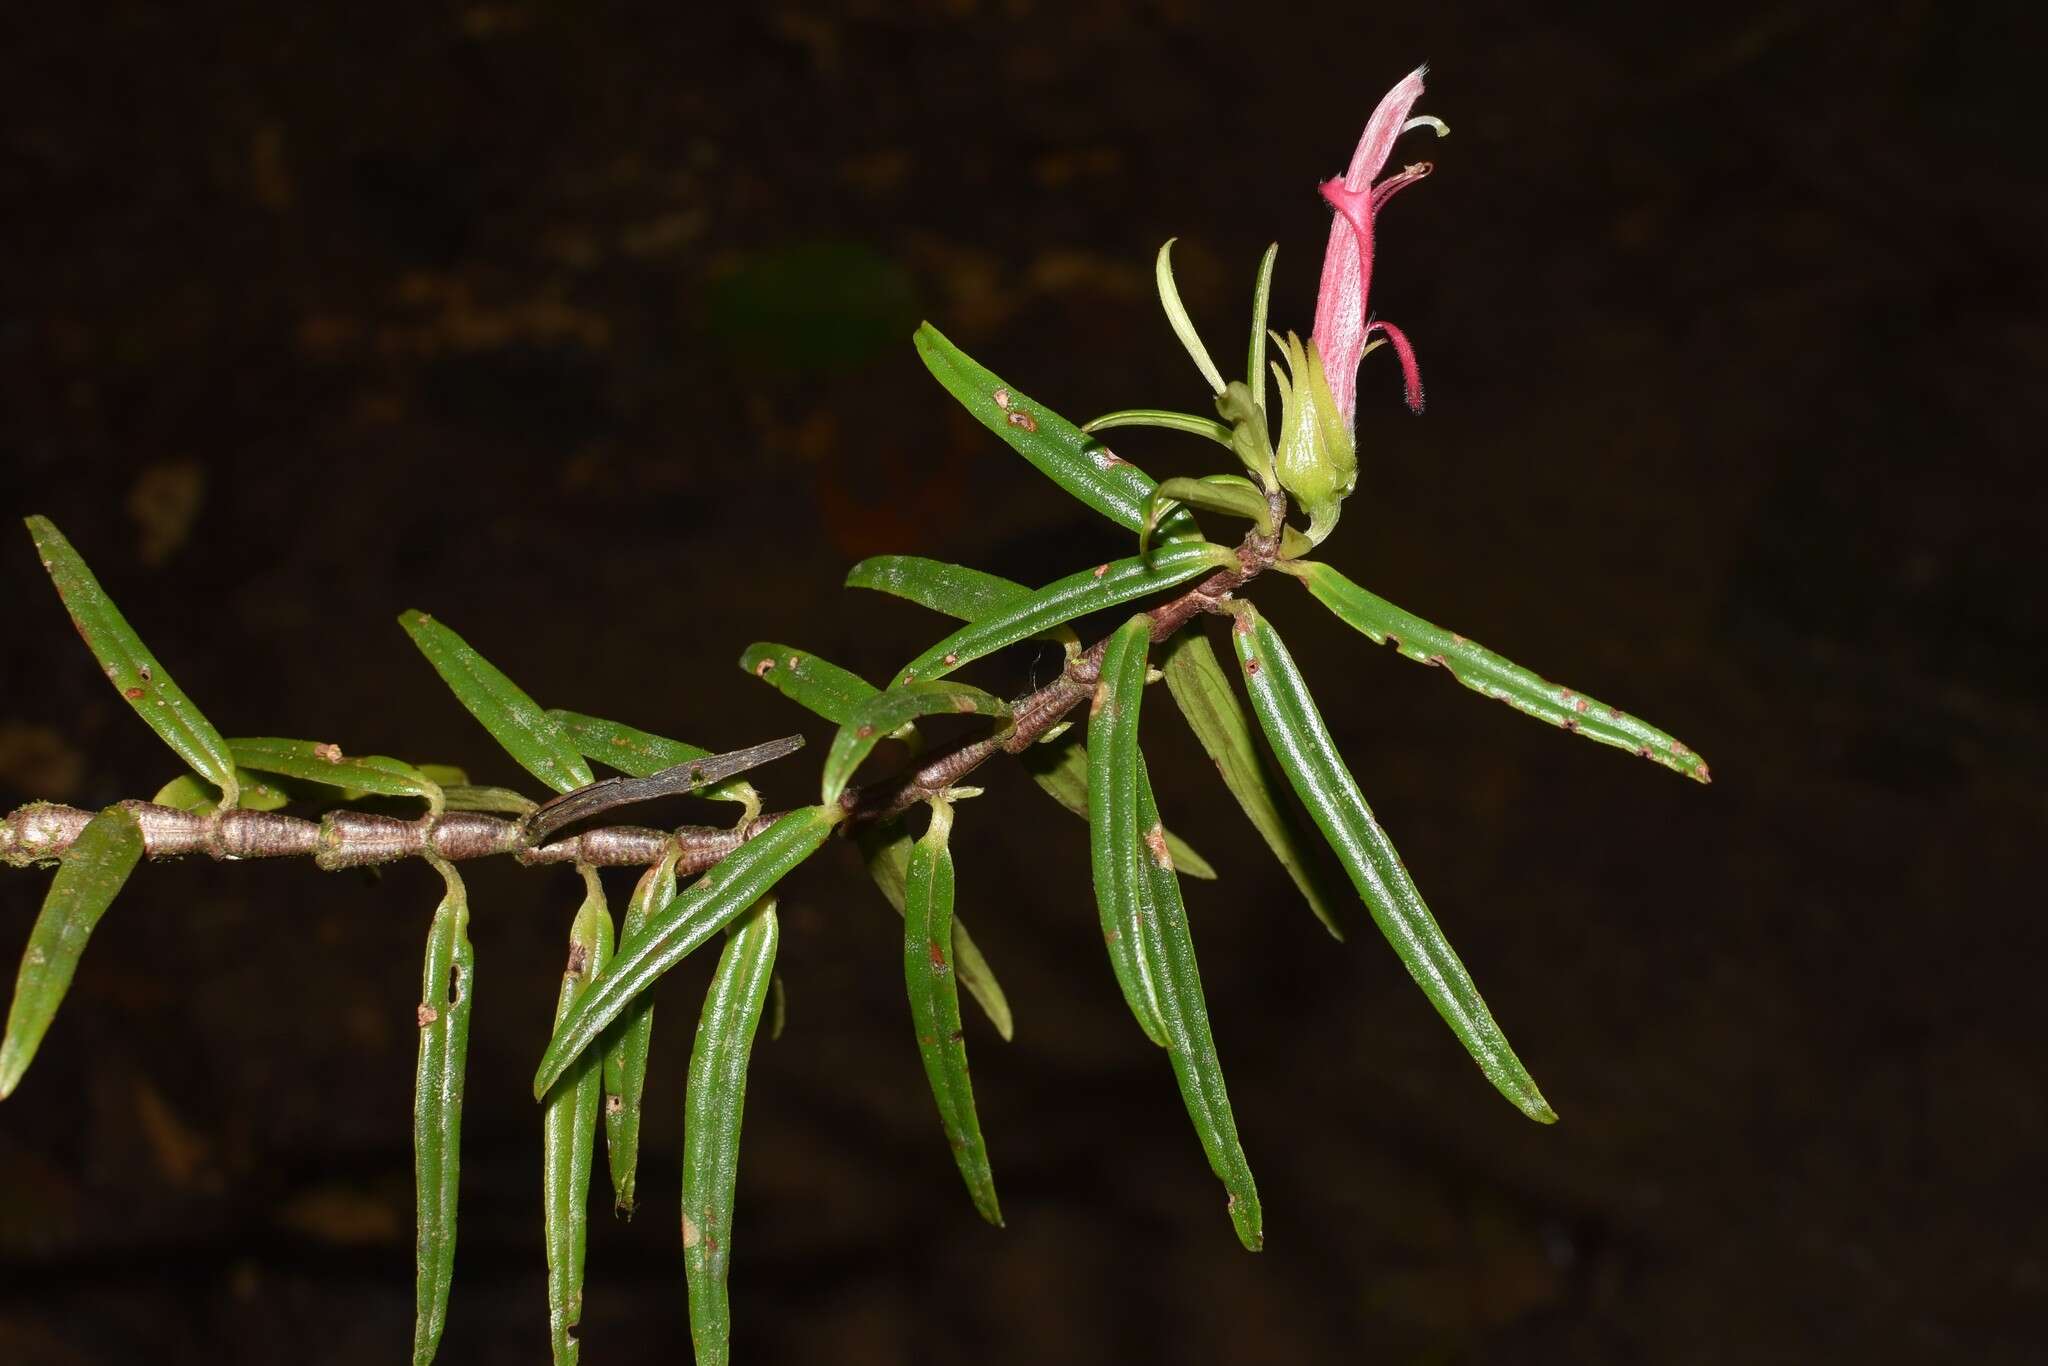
<point x="569" y="1121"/>
<point x="1165" y="418"/>
<point x="642" y="754"/>
<point x="627" y="1044"/>
<point x="1217" y="714"/>
<point x="446" y="990"/>
<point x="935" y="1007"/>
<point x="734" y="883"/>
<point x="1063" y="600"/>
<point x="1062" y="452"/>
<point x="1113" y="819"/>
<point x="816" y="684"/>
<point x="871" y="722"/>
<point x="1483" y="671"/>
<point x="313" y="762"/>
<point x="886" y="850"/>
<point x="127" y="663"/>
<point x="190" y="792"/>
<point x="1296" y="731"/>
<point x="536" y="740"/>
<point x="1184" y="1016"/>
<point x="713" y="1106"/>
<point x="1061" y="769"/>
<point x="92" y="874"/>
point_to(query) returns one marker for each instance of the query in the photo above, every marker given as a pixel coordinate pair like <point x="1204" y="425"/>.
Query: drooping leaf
<point x="935" y="1007"/>
<point x="135" y="673"/>
<point x="1184" y="1015"/>
<point x="1061" y="769"/>
<point x="628" y="1041"/>
<point x="738" y="880"/>
<point x="93" y="871"/>
<point x="539" y="743"/>
<point x="641" y="754"/>
<point x="953" y="589"/>
<point x="886" y="849"/>
<point x="1059" y="450"/>
<point x="869" y="723"/>
<point x="313" y="762"/>
<point x="713" y="1107"/>
<point x="1232" y="495"/>
<point x="447" y="987"/>
<point x="1165" y="418"/>
<point x="1063" y="600"/>
<point x="1223" y="723"/>
<point x="1113" y="819"/>
<point x="1483" y="671"/>
<point x="569" y="1132"/>
<point x="1295" y="729"/>
<point x="813" y="683"/>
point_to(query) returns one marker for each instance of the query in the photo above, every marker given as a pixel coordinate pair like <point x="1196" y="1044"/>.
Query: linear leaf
<point x="1059" y="450"/>
<point x="1184" y="1015"/>
<point x="515" y="721"/>
<point x="734" y="883"/>
<point x="1177" y="316"/>
<point x="1065" y="599"/>
<point x="498" y="801"/>
<point x="135" y="673"/>
<point x="1483" y="671"/>
<point x="1113" y="819"/>
<point x="447" y="987"/>
<point x="1296" y="731"/>
<point x="1255" y="354"/>
<point x="1189" y="423"/>
<point x="628" y="1041"/>
<point x="935" y="1007"/>
<point x="1232" y="495"/>
<point x="93" y="871"/>
<point x="1222" y="722"/>
<point x="817" y="684"/>
<point x="954" y="589"/>
<point x="569" y="1132"/>
<point x="190" y="792"/>
<point x="872" y="721"/>
<point x="313" y="762"/>
<point x="713" y="1107"/>
<point x="886" y="850"/>
<point x="1061" y="769"/>
<point x="642" y="754"/>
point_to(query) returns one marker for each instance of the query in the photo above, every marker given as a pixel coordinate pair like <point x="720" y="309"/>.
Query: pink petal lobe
<point x="1382" y="128"/>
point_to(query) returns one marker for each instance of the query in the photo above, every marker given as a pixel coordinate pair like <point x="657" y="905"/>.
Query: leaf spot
<point x="427" y="1015"/>
<point x="331" y="753"/>
<point x="1020" y="418"/>
<point x="761" y="669"/>
<point x="132" y="694"/>
<point x="1002" y="398"/>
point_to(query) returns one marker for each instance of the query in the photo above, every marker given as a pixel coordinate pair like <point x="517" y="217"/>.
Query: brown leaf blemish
<point x="132" y="694"/>
<point x="1020" y="418"/>
<point x="1100" y="570"/>
<point x="331" y="753"/>
<point x="761" y="669"/>
<point x="427" y="1015"/>
<point x="1155" y="840"/>
<point x="864" y="732"/>
<point x="1002" y="398"/>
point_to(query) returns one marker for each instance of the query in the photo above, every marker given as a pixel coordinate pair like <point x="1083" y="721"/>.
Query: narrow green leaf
<point x="313" y="762"/>
<point x="1184" y="1015"/>
<point x="190" y="792"/>
<point x="813" y="683"/>
<point x="1065" y="599"/>
<point x="1255" y="355"/>
<point x="628" y="1041"/>
<point x="1222" y="722"/>
<point x="447" y="775"/>
<point x="713" y="1107"/>
<point x="886" y="850"/>
<point x="642" y="754"/>
<point x="1483" y="671"/>
<point x="497" y="801"/>
<point x="447" y="987"/>
<point x="871" y="722"/>
<point x="135" y="673"/>
<point x="737" y="881"/>
<point x="1177" y="315"/>
<point x="1191" y="423"/>
<point x="1233" y="495"/>
<point x="935" y="1006"/>
<point x="91" y="875"/>
<point x="569" y="1131"/>
<point x="953" y="589"/>
<point x="538" y="742"/>
<point x="1113" y="818"/>
<point x="1062" y="452"/>
<point x="1061" y="769"/>
<point x="1295" y="729"/>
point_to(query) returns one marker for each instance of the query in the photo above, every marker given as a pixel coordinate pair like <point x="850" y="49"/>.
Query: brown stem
<point x="42" y="831"/>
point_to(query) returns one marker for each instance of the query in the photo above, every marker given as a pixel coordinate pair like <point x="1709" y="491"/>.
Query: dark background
<point x="585" y="328"/>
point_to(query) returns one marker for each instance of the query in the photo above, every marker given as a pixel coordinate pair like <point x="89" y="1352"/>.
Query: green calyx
<point x="1315" y="460"/>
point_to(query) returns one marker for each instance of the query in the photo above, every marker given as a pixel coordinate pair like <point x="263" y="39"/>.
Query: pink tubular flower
<point x="1342" y="323"/>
